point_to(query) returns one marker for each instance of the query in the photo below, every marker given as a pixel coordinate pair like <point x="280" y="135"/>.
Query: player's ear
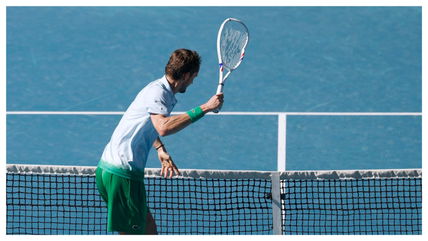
<point x="186" y="76"/>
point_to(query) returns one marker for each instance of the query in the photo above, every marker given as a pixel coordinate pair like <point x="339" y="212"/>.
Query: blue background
<point x="299" y="59"/>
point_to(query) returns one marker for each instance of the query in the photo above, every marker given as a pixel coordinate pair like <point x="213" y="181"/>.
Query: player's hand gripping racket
<point x="232" y="39"/>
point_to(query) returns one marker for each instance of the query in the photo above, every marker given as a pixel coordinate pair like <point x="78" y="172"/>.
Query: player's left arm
<point x="168" y="166"/>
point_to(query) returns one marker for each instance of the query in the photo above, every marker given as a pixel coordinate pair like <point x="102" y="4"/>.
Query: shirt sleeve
<point x="157" y="103"/>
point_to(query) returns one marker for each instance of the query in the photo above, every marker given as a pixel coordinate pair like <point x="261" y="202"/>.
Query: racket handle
<point x="219" y="89"/>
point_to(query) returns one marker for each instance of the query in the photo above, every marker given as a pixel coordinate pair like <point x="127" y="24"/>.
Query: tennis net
<point x="64" y="200"/>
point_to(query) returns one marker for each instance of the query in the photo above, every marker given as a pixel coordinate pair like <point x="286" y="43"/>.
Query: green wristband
<point x="195" y="114"/>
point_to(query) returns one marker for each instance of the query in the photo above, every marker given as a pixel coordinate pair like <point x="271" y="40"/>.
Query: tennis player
<point x="120" y="172"/>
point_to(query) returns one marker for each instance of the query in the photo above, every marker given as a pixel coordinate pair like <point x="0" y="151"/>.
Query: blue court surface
<point x="339" y="60"/>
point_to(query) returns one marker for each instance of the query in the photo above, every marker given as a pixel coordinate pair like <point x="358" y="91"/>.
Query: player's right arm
<point x="172" y="124"/>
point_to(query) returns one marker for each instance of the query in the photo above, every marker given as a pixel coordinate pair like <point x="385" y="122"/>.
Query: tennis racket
<point x="232" y="39"/>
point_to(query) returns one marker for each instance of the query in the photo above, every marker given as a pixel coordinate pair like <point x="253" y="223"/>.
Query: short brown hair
<point x="182" y="61"/>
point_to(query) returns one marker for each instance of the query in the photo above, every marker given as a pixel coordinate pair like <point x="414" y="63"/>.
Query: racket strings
<point x="232" y="43"/>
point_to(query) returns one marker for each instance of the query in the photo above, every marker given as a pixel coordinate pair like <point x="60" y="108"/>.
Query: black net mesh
<point x="70" y="204"/>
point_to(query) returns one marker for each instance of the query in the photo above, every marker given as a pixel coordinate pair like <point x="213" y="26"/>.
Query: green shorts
<point x="126" y="202"/>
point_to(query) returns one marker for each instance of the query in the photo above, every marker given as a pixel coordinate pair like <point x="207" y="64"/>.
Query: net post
<point x="276" y="204"/>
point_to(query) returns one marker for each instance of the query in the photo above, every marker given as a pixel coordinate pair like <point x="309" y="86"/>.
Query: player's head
<point x="183" y="61"/>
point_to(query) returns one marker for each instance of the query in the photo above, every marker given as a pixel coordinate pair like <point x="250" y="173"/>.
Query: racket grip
<point x="219" y="88"/>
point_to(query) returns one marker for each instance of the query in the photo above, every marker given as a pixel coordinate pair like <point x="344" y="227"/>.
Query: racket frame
<point x="222" y="67"/>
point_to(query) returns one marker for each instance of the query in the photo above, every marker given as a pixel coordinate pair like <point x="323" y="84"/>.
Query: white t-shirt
<point x="133" y="137"/>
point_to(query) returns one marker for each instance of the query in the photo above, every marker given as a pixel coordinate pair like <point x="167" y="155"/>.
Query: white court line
<point x="65" y="112"/>
<point x="223" y="113"/>
<point x="282" y="143"/>
<point x="282" y="122"/>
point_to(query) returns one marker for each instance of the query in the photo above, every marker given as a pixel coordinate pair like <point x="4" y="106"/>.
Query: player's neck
<point x="172" y="83"/>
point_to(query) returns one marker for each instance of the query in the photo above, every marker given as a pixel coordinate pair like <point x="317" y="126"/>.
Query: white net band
<point x="228" y="174"/>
